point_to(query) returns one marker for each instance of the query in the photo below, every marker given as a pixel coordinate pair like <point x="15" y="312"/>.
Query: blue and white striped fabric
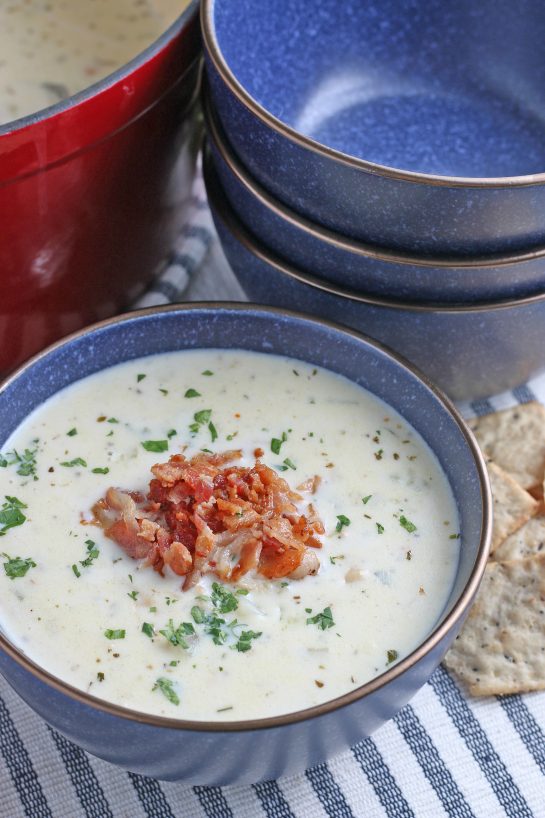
<point x="444" y="754"/>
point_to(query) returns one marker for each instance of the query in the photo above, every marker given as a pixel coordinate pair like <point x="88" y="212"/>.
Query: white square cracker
<point x="512" y="505"/>
<point x="501" y="648"/>
<point x="515" y="440"/>
<point x="528" y="541"/>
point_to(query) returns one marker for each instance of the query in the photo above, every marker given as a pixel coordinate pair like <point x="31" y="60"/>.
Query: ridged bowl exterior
<point x="246" y="752"/>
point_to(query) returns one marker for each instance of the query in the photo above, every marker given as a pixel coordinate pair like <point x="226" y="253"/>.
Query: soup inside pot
<point x="52" y="49"/>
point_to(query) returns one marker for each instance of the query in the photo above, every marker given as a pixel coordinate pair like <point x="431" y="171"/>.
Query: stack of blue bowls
<point x="384" y="166"/>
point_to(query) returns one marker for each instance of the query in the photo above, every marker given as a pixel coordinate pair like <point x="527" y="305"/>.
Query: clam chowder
<point x="295" y="539"/>
<point x="51" y="49"/>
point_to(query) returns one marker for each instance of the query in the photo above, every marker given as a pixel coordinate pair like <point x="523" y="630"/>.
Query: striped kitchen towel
<point x="443" y="755"/>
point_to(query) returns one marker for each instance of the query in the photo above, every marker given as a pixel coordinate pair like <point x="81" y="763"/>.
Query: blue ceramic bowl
<point x="374" y="270"/>
<point x="418" y="126"/>
<point x="248" y="751"/>
<point x="469" y="351"/>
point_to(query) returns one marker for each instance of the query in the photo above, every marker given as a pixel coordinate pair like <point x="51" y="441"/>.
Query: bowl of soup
<point x="235" y="540"/>
<point x="97" y="153"/>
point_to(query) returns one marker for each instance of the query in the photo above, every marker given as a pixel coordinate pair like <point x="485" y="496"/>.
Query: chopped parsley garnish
<point x="365" y="500"/>
<point x="203" y="416"/>
<point x="100" y="676"/>
<point x="155" y="445"/>
<point x="163" y="391"/>
<point x="147" y="628"/>
<point x="100" y="470"/>
<point x="16" y="567"/>
<point x="276" y="443"/>
<point x="392" y="656"/>
<point x="76" y="571"/>
<point x="171" y="433"/>
<point x="222" y="599"/>
<point x="167" y="689"/>
<point x="207" y="372"/>
<point x="77" y="461"/>
<point x="113" y="420"/>
<point x="324" y="619"/>
<point x="133" y="595"/>
<point x="140" y="377"/>
<point x="212" y="430"/>
<point x="176" y="635"/>
<point x="289" y="464"/>
<point x="26" y="462"/>
<point x="92" y="554"/>
<point x="454" y="537"/>
<point x="11" y="514"/>
<point x="72" y="432"/>
<point x="380" y="528"/>
<point x="244" y="640"/>
<point x="342" y="521"/>
<point x="406" y="524"/>
<point x="114" y="634"/>
<point x="332" y="560"/>
<point x="198" y="615"/>
<point x="192" y="393"/>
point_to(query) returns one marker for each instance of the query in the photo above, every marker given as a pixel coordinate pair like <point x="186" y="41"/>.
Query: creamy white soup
<point x="51" y="49"/>
<point x="83" y="608"/>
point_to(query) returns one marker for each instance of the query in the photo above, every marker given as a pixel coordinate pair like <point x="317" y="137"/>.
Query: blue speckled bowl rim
<point x="215" y="53"/>
<point x="106" y="82"/>
<point x="221" y="205"/>
<point x="217" y="136"/>
<point x="458" y="609"/>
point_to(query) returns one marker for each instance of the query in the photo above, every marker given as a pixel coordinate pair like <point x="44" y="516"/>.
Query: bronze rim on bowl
<point x="428" y="644"/>
<point x="321" y="233"/>
<point x="274" y="123"/>
<point x="220" y="203"/>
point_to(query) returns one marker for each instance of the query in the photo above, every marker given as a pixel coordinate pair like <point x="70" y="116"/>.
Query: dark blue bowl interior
<point x="275" y="332"/>
<point x="443" y="88"/>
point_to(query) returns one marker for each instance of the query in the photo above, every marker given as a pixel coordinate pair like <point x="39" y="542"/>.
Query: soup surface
<point x="51" y="49"/>
<point x="77" y="604"/>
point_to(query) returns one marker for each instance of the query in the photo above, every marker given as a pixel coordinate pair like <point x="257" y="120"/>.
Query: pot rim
<point x="219" y="202"/>
<point x="429" y="643"/>
<point x="107" y="82"/>
<point x="218" y="137"/>
<point x="268" y="119"/>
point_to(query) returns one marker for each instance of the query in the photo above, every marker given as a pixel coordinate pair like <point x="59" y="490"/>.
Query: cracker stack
<point x="501" y="648"/>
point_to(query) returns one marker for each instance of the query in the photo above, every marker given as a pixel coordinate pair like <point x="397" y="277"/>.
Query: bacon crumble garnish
<point x="206" y="515"/>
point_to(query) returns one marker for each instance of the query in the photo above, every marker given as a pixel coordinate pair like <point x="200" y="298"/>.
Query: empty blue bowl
<point x="244" y="752"/>
<point x="469" y="351"/>
<point x="373" y="270"/>
<point x="418" y="126"/>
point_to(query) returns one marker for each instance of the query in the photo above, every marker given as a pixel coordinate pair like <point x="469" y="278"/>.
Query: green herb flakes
<point x="192" y="393"/>
<point x="133" y="595"/>
<point x="391" y="656"/>
<point x="207" y="372"/>
<point x="77" y="461"/>
<point x="25" y="462"/>
<point x="163" y="391"/>
<point x="324" y="620"/>
<point x="72" y="432"/>
<point x="92" y="554"/>
<point x="77" y="572"/>
<point x="140" y="377"/>
<point x="277" y="442"/>
<point x="243" y="643"/>
<point x="16" y="567"/>
<point x="114" y="633"/>
<point x="11" y="514"/>
<point x="380" y="528"/>
<point x="365" y="500"/>
<point x="289" y="464"/>
<point x="155" y="445"/>
<point x="197" y="614"/>
<point x="100" y="470"/>
<point x="147" y="628"/>
<point x="343" y="521"/>
<point x="406" y="524"/>
<point x="222" y="599"/>
<point x="171" y="433"/>
<point x="176" y="635"/>
<point x="203" y="416"/>
<point x="212" y="430"/>
<point x="167" y="689"/>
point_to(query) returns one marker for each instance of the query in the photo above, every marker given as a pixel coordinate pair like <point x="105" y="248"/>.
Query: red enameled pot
<point x="92" y="191"/>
